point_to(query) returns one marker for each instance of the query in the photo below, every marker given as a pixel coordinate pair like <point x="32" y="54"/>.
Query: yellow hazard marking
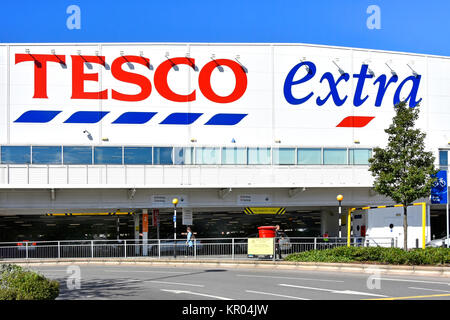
<point x="413" y="297"/>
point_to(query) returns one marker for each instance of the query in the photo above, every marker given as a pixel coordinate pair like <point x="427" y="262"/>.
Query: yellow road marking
<point x="414" y="297"/>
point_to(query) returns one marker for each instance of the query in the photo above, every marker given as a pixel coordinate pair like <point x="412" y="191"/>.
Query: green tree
<point x="403" y="170"/>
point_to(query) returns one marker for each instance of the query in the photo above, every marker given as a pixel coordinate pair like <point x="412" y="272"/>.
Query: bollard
<point x="392" y="242"/>
<point x="417" y="243"/>
<point x="315" y="243"/>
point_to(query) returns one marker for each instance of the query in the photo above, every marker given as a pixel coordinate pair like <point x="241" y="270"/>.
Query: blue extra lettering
<point x="333" y="89"/>
<point x="412" y="95"/>
<point x="362" y="76"/>
<point x="289" y="82"/>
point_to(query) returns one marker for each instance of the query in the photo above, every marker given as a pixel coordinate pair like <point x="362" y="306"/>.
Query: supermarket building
<point x="125" y="128"/>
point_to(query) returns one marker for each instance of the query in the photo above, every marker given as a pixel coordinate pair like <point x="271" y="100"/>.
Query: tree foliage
<point x="403" y="170"/>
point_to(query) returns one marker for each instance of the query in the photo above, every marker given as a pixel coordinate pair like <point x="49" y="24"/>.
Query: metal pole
<point x="174" y="231"/>
<point x="447" y="242"/>
<point x="340" y="220"/>
<point x="232" y="248"/>
<point x="26" y="250"/>
<point x="59" y="249"/>
<point x="92" y="249"/>
<point x="125" y="244"/>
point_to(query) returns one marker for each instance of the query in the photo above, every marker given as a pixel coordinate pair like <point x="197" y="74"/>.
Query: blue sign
<point x="439" y="189"/>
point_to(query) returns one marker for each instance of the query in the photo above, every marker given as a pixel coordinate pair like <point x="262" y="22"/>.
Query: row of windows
<point x="181" y="155"/>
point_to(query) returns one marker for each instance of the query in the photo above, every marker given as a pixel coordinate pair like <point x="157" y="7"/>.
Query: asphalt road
<point x="102" y="282"/>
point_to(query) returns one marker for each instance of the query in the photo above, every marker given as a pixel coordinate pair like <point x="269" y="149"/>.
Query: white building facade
<point x="95" y="127"/>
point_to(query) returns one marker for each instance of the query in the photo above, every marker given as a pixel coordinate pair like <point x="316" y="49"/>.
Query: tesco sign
<point x="160" y="79"/>
<point x="79" y="77"/>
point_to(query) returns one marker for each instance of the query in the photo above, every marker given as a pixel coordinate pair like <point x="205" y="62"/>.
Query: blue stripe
<point x="226" y="119"/>
<point x="86" y="117"/>
<point x="181" y="118"/>
<point x="37" y="116"/>
<point x="134" y="117"/>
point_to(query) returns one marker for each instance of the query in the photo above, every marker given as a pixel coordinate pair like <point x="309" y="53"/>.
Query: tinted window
<point x="258" y="155"/>
<point x="137" y="155"/>
<point x="309" y="156"/>
<point x="443" y="158"/>
<point x="184" y="155"/>
<point x="46" y="155"/>
<point x="16" y="154"/>
<point x="162" y="155"/>
<point x="234" y="156"/>
<point x="284" y="156"/>
<point x="207" y="155"/>
<point x="108" y="155"/>
<point x="334" y="156"/>
<point x="360" y="156"/>
<point x="77" y="155"/>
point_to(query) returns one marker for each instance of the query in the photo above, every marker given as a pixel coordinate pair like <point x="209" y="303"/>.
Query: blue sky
<point x="412" y="26"/>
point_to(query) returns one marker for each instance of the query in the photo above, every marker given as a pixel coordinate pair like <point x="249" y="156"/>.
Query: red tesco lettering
<point x="79" y="77"/>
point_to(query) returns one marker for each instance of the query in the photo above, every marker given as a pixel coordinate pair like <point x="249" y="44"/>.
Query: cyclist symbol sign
<point x="439" y="188"/>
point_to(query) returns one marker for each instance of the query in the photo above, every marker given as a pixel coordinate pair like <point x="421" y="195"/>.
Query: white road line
<point x="335" y="291"/>
<point x="276" y="295"/>
<point x="176" y="283"/>
<point x="275" y="277"/>
<point x="407" y="280"/>
<point x="426" y="289"/>
<point x="195" y="293"/>
<point x="146" y="271"/>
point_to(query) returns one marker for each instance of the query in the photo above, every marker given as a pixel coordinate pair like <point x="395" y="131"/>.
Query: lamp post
<point x="174" y="202"/>
<point x="339" y="198"/>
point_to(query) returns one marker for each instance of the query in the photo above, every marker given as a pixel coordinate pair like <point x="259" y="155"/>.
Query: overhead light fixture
<point x="278" y="141"/>
<point x="392" y="71"/>
<point x="356" y="141"/>
<point x="27" y="51"/>
<point x="415" y="74"/>
<point x="193" y="140"/>
<point x="339" y="68"/>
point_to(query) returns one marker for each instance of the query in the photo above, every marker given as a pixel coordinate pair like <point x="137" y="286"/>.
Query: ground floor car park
<point x="65" y="215"/>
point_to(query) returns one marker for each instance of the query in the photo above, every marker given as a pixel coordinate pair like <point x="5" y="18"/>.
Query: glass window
<point x="162" y="155"/>
<point x="137" y="155"/>
<point x="443" y="158"/>
<point x="16" y="154"/>
<point x="46" y="155"/>
<point x="258" y="155"/>
<point x="77" y="155"/>
<point x="107" y="155"/>
<point x="284" y="156"/>
<point x="334" y="156"/>
<point x="309" y="156"/>
<point x="234" y="156"/>
<point x="184" y="155"/>
<point x="360" y="156"/>
<point x="207" y="155"/>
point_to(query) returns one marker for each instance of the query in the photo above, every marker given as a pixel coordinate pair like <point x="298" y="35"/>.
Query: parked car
<point x="22" y="245"/>
<point x="442" y="241"/>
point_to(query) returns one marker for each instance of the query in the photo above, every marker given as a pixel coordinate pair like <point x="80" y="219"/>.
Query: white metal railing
<point x="205" y="248"/>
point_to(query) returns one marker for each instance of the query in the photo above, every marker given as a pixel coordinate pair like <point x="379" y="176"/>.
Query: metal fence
<point x="207" y="248"/>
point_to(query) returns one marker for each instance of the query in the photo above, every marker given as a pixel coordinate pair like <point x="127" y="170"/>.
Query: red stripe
<point x="355" y="122"/>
